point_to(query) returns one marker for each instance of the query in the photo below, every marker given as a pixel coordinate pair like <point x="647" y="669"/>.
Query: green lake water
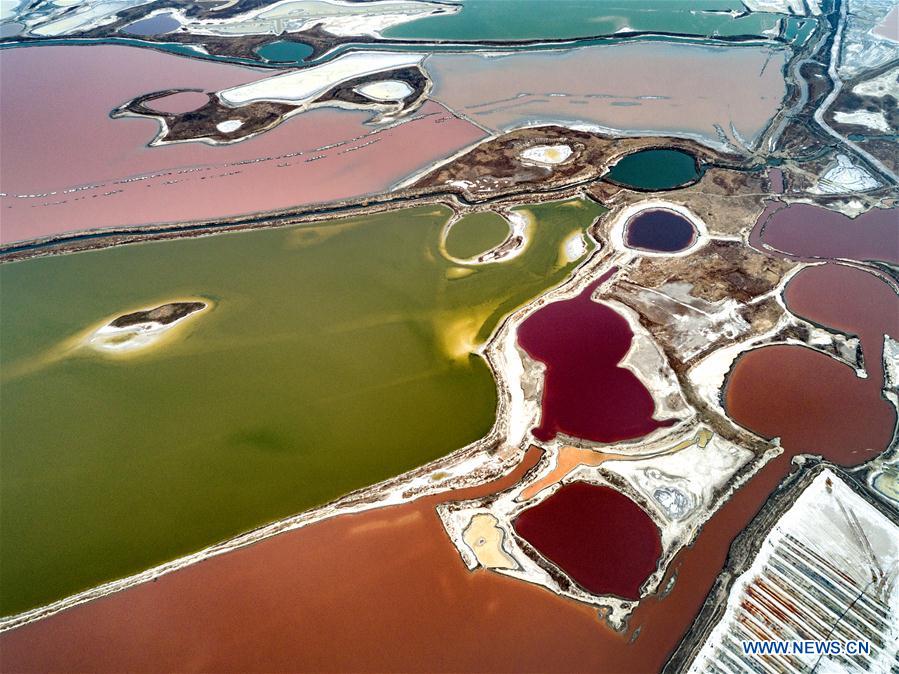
<point x="335" y="356"/>
<point x="654" y="170"/>
<point x="284" y="51"/>
<point x="557" y="19"/>
<point x="476" y="233"/>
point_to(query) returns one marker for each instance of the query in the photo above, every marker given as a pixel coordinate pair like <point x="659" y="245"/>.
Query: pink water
<point x="57" y="135"/>
<point x="807" y="231"/>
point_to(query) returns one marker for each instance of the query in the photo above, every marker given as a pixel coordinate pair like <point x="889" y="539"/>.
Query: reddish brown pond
<point x="598" y="536"/>
<point x="585" y="394"/>
<point x="850" y="300"/>
<point x="811" y="401"/>
<point x="806" y="231"/>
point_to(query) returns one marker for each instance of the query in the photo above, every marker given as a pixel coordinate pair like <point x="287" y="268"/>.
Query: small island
<point x="139" y="329"/>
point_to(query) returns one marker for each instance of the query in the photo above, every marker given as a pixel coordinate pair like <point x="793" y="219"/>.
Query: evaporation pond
<point x="285" y="51"/>
<point x="654" y="170"/>
<point x="659" y="230"/>
<point x="333" y="356"/>
<point x="154" y="25"/>
<point x="476" y="233"/>
<point x="598" y="536"/>
<point x="547" y="19"/>
<point x="586" y="394"/>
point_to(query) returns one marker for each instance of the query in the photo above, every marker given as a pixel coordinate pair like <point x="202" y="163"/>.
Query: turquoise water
<point x="544" y="20"/>
<point x="558" y="19"/>
<point x="797" y="30"/>
<point x="285" y="51"/>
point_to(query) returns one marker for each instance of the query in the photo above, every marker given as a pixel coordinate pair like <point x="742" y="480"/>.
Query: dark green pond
<point x="654" y="170"/>
<point x="284" y="51"/>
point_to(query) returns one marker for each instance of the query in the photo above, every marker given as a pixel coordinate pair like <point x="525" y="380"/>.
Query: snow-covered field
<point x="334" y="16"/>
<point x="546" y="154"/>
<point x="845" y="177"/>
<point x="872" y="120"/>
<point x="303" y="86"/>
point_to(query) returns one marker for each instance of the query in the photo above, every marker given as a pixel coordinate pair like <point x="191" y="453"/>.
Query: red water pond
<point x="585" y="394"/>
<point x="599" y="537"/>
<point x="811" y="401"/>
<point x="851" y="300"/>
<point x="807" y="231"/>
<point x="67" y="166"/>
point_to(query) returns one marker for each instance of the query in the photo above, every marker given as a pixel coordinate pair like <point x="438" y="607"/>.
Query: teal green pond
<point x="333" y="356"/>
<point x="285" y="51"/>
<point x="654" y="170"/>
<point x="560" y="19"/>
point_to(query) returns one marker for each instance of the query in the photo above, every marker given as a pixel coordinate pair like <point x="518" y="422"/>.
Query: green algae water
<point x="559" y="19"/>
<point x="476" y="233"/>
<point x="334" y="356"/>
<point x="654" y="170"/>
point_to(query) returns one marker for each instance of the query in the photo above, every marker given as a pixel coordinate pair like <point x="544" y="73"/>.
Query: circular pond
<point x="476" y="233"/>
<point x="652" y="170"/>
<point x="660" y="231"/>
<point x="284" y="51"/>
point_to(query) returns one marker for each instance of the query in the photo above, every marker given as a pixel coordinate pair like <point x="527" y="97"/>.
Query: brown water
<point x="851" y="300"/>
<point x="636" y="87"/>
<point x="811" y="401"/>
